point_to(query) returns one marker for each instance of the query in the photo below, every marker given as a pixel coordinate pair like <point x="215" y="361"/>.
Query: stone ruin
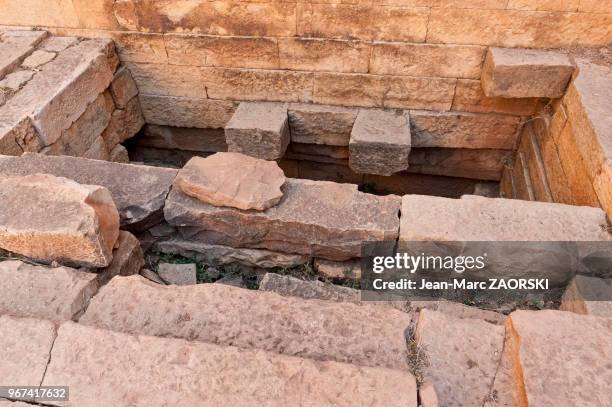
<point x="251" y="148"/>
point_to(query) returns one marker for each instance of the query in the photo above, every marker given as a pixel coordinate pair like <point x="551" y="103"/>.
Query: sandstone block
<point x="532" y="155"/>
<point x="220" y="255"/>
<point x="463" y="130"/>
<point x="315" y="218"/>
<point x="55" y="219"/>
<point x="119" y="154"/>
<point x="428" y="395"/>
<point x="15" y="46"/>
<point x="318" y="152"/>
<point x="260" y="130"/>
<point x="178" y="274"/>
<point x="204" y="374"/>
<point x="483" y="164"/>
<point x="341" y="270"/>
<point x="380" y="142"/>
<point x="319" y="124"/>
<point x="26" y="344"/>
<point x="520" y="73"/>
<point x="323" y="55"/>
<point x="234" y="180"/>
<point x="186" y="112"/>
<point x="562" y="352"/>
<point x="58" y="44"/>
<point x="15" y="80"/>
<point x="183" y="138"/>
<point x="288" y="286"/>
<point x="139" y="191"/>
<point x="128" y="258"/>
<point x="51" y="293"/>
<point x="124" y="124"/>
<point x="588" y="296"/>
<point x="463" y="356"/>
<point x="123" y="88"/>
<point x="469" y="97"/>
<point x="38" y="58"/>
<point x="225" y="315"/>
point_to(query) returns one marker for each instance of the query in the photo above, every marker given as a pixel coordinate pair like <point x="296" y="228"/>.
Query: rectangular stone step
<point x="315" y="218"/>
<point x="225" y="315"/>
<point x="138" y="191"/>
<point x="320" y="124"/>
<point x="149" y="371"/>
<point x="15" y="46"/>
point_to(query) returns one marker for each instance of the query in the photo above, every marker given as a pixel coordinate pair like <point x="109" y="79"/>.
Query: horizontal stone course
<point x="186" y="112"/>
<point x="469" y="97"/>
<point x="182" y="138"/>
<point x="320" y="124"/>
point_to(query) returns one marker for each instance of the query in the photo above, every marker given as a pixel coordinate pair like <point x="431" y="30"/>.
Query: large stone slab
<point x="52" y="293"/>
<point x="380" y="142"/>
<point x="194" y="373"/>
<point x="559" y="358"/>
<point x="56" y="219"/>
<point x="463" y="130"/>
<point x="15" y="46"/>
<point x="294" y="287"/>
<point x="462" y="354"/>
<point x="317" y="218"/>
<point x="138" y="191"/>
<point x="26" y="345"/>
<point x="225" y="315"/>
<point x="522" y="73"/>
<point x="588" y="296"/>
<point x="259" y="129"/>
<point x="233" y="180"/>
<point x="320" y="124"/>
<point x="186" y="112"/>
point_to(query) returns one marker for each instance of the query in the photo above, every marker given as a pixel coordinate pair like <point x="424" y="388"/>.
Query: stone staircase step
<point x="224" y="315"/>
<point x="16" y="46"/>
<point x="462" y="356"/>
<point x="150" y="371"/>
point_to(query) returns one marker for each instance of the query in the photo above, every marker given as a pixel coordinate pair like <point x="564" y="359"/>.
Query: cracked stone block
<point x="259" y="129"/>
<point x="38" y="58"/>
<point x="380" y="142"/>
<point x="58" y="44"/>
<point x="525" y="73"/>
<point x="51" y="293"/>
<point x="49" y="219"/>
<point x="13" y="81"/>
<point x="15" y="46"/>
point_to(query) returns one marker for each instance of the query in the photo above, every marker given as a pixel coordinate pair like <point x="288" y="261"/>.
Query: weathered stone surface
<point x="196" y="373"/>
<point x="128" y="258"/>
<point x="323" y="55"/>
<point x="138" y="191"/>
<point x="124" y="124"/>
<point x="329" y="172"/>
<point x="15" y="46"/>
<point x="186" y="112"/>
<point x="294" y="287"/>
<point x="232" y="179"/>
<point x="457" y="310"/>
<point x="427" y="395"/>
<point x="123" y="88"/>
<point x="15" y="80"/>
<point x="223" y="255"/>
<point x="97" y="150"/>
<point x="588" y="296"/>
<point x="26" y="344"/>
<point x="421" y="184"/>
<point x="119" y="154"/>
<point x="521" y="73"/>
<point x="224" y="315"/>
<point x="52" y="293"/>
<point x="380" y="142"/>
<point x="463" y="130"/>
<point x="183" y="138"/>
<point x="564" y="353"/>
<point x="317" y="218"/>
<point x="319" y="124"/>
<point x="57" y="43"/>
<point x="38" y="58"/>
<point x="521" y="179"/>
<point x="532" y="155"/>
<point x="463" y="356"/>
<point x="260" y="130"/>
<point x="178" y="274"/>
<point x="448" y="61"/>
<point x="55" y="219"/>
<point x="152" y="276"/>
<point x="469" y="97"/>
<point x="484" y="164"/>
<point x="332" y="269"/>
<point x="318" y="152"/>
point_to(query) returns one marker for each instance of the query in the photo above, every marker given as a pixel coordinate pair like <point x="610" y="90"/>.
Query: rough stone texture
<point x="52" y="293"/>
<point x="97" y="150"/>
<point x="469" y="97"/>
<point x="128" y="258"/>
<point x="187" y="112"/>
<point x="332" y="269"/>
<point x="484" y="164"/>
<point x="463" y="130"/>
<point x="15" y="80"/>
<point x="38" y="58"/>
<point x="183" y="138"/>
<point x="224" y="315"/>
<point x="55" y="219"/>
<point x="204" y="374"/>
<point x="317" y="218"/>
<point x="531" y="153"/>
<point x="260" y="130"/>
<point x="315" y="54"/>
<point x="58" y="44"/>
<point x="124" y="124"/>
<point x="26" y="345"/>
<point x="223" y="255"/>
<point x="15" y="46"/>
<point x="380" y="142"/>
<point x="521" y="73"/>
<point x="460" y="311"/>
<point x="232" y="179"/>
<point x="427" y="395"/>
<point x="152" y="276"/>
<point x="294" y="287"/>
<point x="123" y="88"/>
<point x="178" y="274"/>
<point x="319" y="124"/>
<point x="318" y="152"/>
<point x="463" y="356"/>
<point x="119" y="154"/>
<point x="559" y="358"/>
<point x="138" y="191"/>
<point x="588" y="296"/>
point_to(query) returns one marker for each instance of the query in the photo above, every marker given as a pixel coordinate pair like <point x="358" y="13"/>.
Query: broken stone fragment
<point x="128" y="258"/>
<point x="232" y="179"/>
<point x="56" y="219"/>
<point x="178" y="274"/>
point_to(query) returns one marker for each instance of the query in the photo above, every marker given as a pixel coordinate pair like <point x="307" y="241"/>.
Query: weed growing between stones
<point x="416" y="355"/>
